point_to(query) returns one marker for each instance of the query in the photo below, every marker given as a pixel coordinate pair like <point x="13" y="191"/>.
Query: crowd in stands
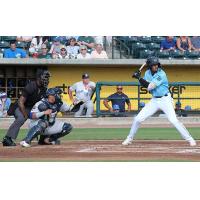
<point x="57" y="47"/>
<point x="92" y="47"/>
<point x="182" y="43"/>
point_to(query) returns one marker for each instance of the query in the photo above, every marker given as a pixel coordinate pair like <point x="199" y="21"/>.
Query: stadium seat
<point x="178" y="54"/>
<point x="153" y="46"/>
<point x="4" y="44"/>
<point x="133" y="39"/>
<point x="157" y="39"/>
<point x="21" y="44"/>
<point x="193" y="54"/>
<point x="8" y="38"/>
<point x="136" y="47"/>
<point x="145" y="53"/>
<point x="145" y="39"/>
<point x="163" y="54"/>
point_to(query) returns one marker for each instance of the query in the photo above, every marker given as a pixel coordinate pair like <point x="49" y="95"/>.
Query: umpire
<point x="31" y="94"/>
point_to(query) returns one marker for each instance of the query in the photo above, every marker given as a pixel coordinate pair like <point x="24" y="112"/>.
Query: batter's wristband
<point x="39" y="114"/>
<point x="144" y="83"/>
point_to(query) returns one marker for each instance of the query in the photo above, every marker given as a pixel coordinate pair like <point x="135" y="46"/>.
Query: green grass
<point x="119" y="133"/>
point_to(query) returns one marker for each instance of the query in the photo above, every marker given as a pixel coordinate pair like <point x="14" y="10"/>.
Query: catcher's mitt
<point x="76" y="107"/>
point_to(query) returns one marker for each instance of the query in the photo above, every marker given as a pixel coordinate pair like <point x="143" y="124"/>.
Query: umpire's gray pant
<point x="89" y="106"/>
<point x="19" y="121"/>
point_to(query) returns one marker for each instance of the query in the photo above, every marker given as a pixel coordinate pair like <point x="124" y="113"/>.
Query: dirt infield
<point x="104" y="150"/>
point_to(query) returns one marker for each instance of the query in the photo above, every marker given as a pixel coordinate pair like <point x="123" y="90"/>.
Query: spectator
<point x="99" y="52"/>
<point x="168" y="44"/>
<point x="61" y="39"/>
<point x="63" y="53"/>
<point x="55" y="47"/>
<point x="88" y="41"/>
<point x="99" y="40"/>
<point x="14" y="52"/>
<point x="195" y="40"/>
<point x="4" y="104"/>
<point x="118" y="100"/>
<point x="184" y="43"/>
<point x="36" y="44"/>
<point x="24" y="38"/>
<point x="83" y="53"/>
<point x="72" y="49"/>
<point x="84" y="90"/>
<point x="44" y="53"/>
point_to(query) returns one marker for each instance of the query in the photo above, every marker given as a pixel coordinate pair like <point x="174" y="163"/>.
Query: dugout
<point x="66" y="72"/>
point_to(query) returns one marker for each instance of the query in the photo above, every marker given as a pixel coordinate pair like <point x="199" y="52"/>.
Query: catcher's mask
<point x="43" y="77"/>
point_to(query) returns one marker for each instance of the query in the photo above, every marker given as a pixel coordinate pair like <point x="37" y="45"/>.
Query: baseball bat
<point x="142" y="67"/>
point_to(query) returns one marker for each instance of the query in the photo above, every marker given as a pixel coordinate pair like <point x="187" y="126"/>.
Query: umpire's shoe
<point x="8" y="142"/>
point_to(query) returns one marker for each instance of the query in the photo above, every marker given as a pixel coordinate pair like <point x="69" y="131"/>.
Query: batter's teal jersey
<point x="160" y="80"/>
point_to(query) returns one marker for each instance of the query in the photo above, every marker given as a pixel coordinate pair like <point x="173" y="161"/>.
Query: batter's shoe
<point x="24" y="144"/>
<point x="192" y="143"/>
<point x="127" y="141"/>
<point x="8" y="142"/>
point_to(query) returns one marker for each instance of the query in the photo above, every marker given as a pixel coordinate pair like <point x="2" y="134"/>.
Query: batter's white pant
<point x="56" y="128"/>
<point x="89" y="106"/>
<point x="166" y="105"/>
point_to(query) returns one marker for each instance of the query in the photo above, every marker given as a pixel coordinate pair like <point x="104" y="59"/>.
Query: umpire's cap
<point x="85" y="76"/>
<point x="152" y="60"/>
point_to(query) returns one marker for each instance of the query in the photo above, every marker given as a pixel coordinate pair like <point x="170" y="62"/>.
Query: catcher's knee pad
<point x="35" y="131"/>
<point x="67" y="128"/>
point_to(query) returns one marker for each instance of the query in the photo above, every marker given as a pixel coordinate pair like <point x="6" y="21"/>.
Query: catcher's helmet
<point x="153" y="60"/>
<point x="56" y="92"/>
<point x="51" y="91"/>
<point x="43" y="76"/>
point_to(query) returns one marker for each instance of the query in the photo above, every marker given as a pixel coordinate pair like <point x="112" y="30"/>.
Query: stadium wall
<point x="68" y="72"/>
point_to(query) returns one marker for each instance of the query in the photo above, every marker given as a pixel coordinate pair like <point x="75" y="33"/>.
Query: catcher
<point x="43" y="119"/>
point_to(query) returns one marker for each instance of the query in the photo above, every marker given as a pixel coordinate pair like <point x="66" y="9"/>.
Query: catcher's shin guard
<point x="35" y="131"/>
<point x="67" y="128"/>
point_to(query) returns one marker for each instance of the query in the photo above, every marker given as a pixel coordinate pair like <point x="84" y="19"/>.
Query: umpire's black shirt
<point x="33" y="93"/>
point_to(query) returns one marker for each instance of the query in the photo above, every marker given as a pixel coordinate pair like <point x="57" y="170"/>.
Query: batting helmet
<point x="153" y="60"/>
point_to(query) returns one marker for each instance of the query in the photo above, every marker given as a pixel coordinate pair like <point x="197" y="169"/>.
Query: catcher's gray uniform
<point x="57" y="124"/>
<point x="84" y="93"/>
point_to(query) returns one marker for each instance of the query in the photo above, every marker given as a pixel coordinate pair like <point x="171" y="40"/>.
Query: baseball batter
<point x="156" y="82"/>
<point x="84" y="90"/>
<point x="43" y="119"/>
